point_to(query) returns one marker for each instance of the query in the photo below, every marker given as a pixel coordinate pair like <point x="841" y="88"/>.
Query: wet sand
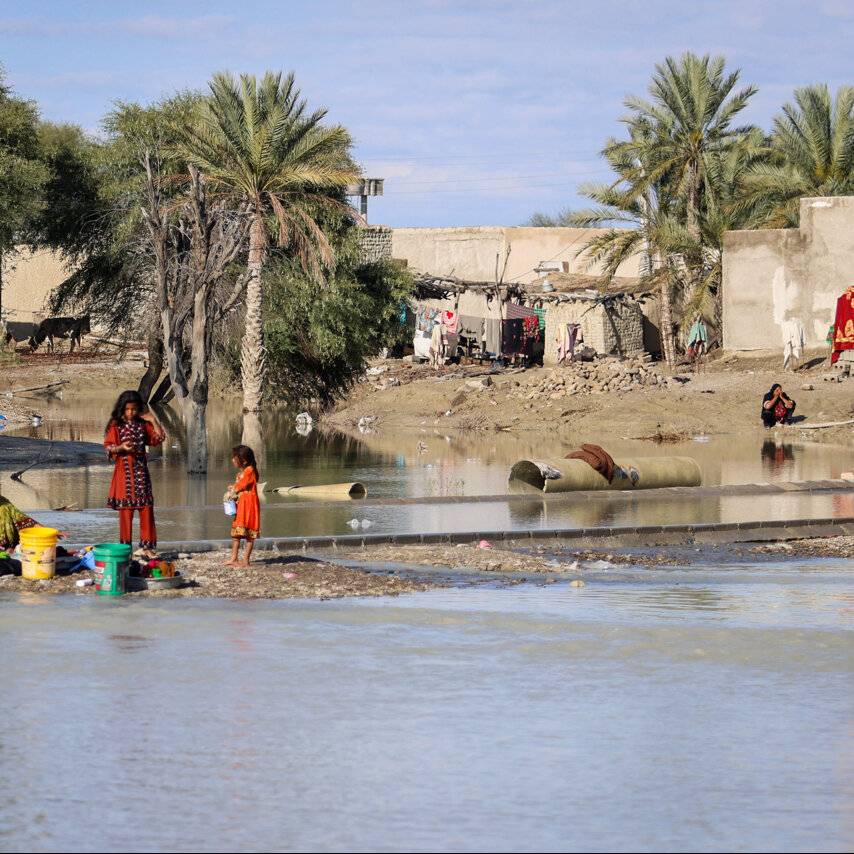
<point x="270" y="576"/>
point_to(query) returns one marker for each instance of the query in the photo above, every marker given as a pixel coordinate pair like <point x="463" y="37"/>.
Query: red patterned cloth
<point x="131" y="485"/>
<point x="843" y="327"/>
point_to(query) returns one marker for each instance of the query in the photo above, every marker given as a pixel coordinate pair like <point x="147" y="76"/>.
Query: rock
<point x="458" y="399"/>
<point x="807" y="387"/>
<point x="479" y="382"/>
<point x="576" y="582"/>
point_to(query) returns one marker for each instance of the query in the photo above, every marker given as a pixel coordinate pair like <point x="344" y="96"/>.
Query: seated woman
<point x="777" y="407"/>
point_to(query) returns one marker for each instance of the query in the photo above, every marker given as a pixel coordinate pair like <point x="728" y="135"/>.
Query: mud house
<point x="28" y="280"/>
<point x="569" y="309"/>
<point x="611" y="317"/>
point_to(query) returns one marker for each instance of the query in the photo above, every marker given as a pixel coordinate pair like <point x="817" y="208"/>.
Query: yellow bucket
<point x="38" y="552"/>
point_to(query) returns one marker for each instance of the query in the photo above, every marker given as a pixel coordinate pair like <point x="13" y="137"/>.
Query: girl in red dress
<point x="132" y="428"/>
<point x="247" y="522"/>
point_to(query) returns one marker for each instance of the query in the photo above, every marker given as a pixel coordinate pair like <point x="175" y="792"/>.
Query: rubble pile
<point x="601" y="376"/>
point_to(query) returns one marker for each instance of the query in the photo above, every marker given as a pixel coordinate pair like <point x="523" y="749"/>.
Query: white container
<point x="229" y="508"/>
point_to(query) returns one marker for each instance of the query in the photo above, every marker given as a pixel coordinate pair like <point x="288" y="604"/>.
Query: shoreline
<point x="395" y="569"/>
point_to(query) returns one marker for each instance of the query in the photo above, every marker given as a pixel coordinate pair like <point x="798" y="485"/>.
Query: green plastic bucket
<point x="111" y="568"/>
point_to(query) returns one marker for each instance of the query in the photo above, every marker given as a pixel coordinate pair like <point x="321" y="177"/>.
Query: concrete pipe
<point x="328" y="491"/>
<point x="631" y="473"/>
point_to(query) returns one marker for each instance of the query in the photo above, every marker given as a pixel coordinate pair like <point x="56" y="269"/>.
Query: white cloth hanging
<point x="793" y="340"/>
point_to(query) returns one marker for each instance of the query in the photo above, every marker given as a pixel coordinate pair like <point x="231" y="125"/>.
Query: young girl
<point x="130" y="430"/>
<point x="247" y="522"/>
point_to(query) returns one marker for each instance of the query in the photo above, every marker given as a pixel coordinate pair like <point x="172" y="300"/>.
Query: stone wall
<point x="375" y="243"/>
<point x="770" y="276"/>
<point x="619" y="329"/>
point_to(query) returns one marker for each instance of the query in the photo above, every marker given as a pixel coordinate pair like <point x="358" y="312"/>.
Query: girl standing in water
<point x="131" y="429"/>
<point x="247" y="522"/>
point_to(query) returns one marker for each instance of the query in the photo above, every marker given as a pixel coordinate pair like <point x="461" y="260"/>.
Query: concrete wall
<point x="470" y="252"/>
<point x="28" y="279"/>
<point x="770" y="276"/>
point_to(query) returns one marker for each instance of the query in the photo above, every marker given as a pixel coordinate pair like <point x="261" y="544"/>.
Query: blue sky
<point x="474" y="112"/>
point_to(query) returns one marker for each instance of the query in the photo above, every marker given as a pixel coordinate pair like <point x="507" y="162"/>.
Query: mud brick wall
<point x="619" y="330"/>
<point x="375" y="243"/>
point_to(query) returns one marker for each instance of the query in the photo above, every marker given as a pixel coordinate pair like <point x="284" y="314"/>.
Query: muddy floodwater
<point x="426" y="463"/>
<point x="663" y="710"/>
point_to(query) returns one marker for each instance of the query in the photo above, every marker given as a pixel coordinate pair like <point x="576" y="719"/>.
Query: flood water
<point x="661" y="710"/>
<point x="426" y="463"/>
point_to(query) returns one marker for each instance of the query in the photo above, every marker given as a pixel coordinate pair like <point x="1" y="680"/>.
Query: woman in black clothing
<point x="777" y="407"/>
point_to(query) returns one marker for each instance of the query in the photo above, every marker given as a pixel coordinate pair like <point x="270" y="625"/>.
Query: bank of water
<point x="668" y="709"/>
<point x="426" y="463"/>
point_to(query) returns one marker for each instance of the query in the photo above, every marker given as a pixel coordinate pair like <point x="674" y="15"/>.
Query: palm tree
<point x="257" y="142"/>
<point x="643" y="219"/>
<point x="688" y="127"/>
<point x="811" y="154"/>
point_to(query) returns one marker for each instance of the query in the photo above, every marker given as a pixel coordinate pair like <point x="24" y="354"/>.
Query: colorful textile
<point x="12" y="522"/>
<point x="531" y="327"/>
<point x="597" y="458"/>
<point x="247" y="522"/>
<point x="698" y="334"/>
<point x="450" y="320"/>
<point x="147" y="528"/>
<point x="568" y="335"/>
<point x="131" y="484"/>
<point x="541" y="314"/>
<point x="843" y="327"/>
<point x="513" y="311"/>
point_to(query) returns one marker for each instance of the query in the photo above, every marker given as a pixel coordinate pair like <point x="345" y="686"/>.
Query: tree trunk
<point x="252" y="349"/>
<point x="155" y="362"/>
<point x="197" y="436"/>
<point x="668" y="345"/>
<point x="253" y="436"/>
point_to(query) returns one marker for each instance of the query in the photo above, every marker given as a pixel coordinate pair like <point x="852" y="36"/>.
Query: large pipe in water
<point x="630" y="473"/>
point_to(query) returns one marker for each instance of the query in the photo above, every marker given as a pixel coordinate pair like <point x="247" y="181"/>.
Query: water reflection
<point x="429" y="462"/>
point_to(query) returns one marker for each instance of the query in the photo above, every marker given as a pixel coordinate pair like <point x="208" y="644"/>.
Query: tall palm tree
<point x="688" y="126"/>
<point x="257" y="142"/>
<point x="811" y="154"/>
<point x="643" y="219"/>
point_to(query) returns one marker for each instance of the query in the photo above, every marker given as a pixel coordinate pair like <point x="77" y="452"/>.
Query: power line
<point x="470" y="190"/>
<point x="563" y="174"/>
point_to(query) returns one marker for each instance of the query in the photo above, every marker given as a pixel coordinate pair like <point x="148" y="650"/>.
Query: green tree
<point x="643" y="219"/>
<point x="688" y="125"/>
<point x="543" y="220"/>
<point x="811" y="153"/>
<point x="256" y="141"/>
<point x="22" y="174"/>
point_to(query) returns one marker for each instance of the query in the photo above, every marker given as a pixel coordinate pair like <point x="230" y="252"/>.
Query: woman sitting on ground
<point x="777" y="407"/>
<point x="12" y="522"/>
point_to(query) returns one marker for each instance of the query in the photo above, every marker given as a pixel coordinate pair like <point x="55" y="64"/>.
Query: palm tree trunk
<point x="252" y="349"/>
<point x="668" y="345"/>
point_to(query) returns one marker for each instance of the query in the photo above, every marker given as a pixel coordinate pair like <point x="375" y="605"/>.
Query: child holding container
<point x="247" y="521"/>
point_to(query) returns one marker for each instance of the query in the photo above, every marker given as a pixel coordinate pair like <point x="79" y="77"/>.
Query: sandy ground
<point x="723" y="397"/>
<point x="271" y="576"/>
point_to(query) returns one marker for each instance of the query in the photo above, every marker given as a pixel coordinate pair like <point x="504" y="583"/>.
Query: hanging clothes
<point x="843" y="327"/>
<point x="541" y="314"/>
<point x="698" y="334"/>
<point x="450" y="321"/>
<point x="794" y="341"/>
<point x="512" y="337"/>
<point x="568" y="335"/>
<point x="492" y="336"/>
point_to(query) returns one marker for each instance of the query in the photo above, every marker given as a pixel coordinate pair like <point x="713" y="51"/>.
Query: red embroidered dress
<point x="131" y="485"/>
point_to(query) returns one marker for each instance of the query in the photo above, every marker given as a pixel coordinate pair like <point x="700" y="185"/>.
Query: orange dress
<point x="247" y="522"/>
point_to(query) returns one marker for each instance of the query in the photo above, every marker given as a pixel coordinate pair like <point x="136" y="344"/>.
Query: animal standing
<point x="16" y="331"/>
<point x="73" y="328"/>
